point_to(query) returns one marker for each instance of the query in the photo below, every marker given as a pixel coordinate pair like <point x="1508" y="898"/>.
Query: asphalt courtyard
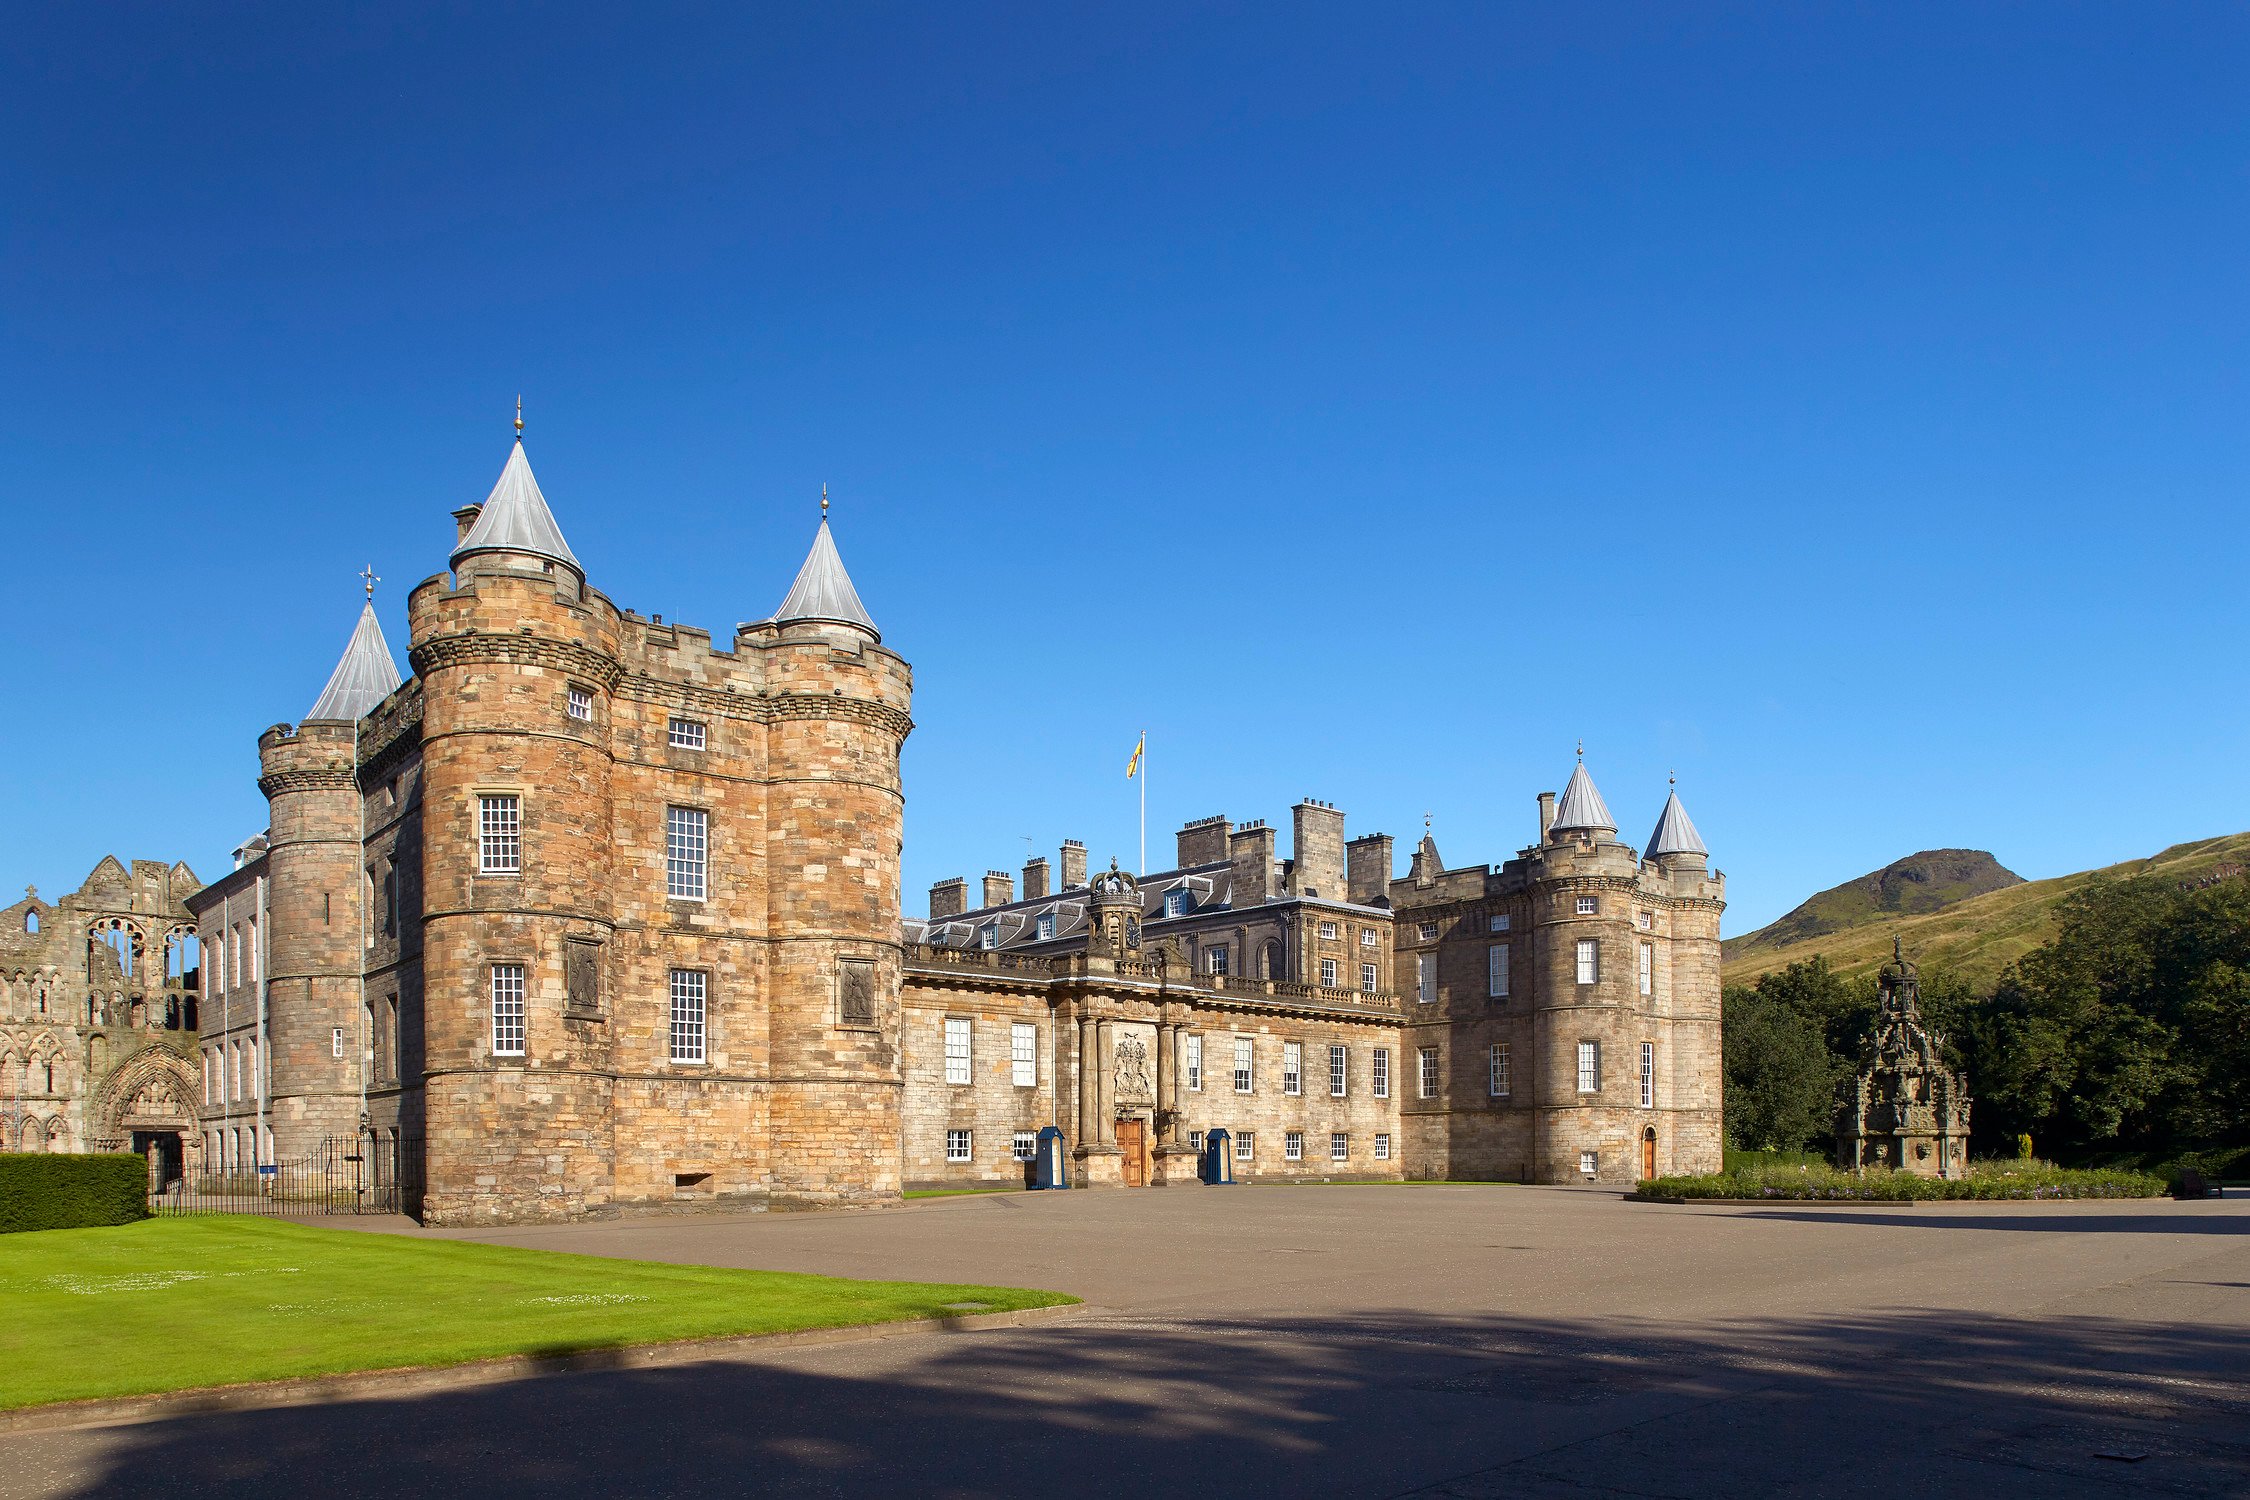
<point x="1362" y="1341"/>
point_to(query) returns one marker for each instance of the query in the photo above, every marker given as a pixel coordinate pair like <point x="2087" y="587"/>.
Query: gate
<point x="357" y="1175"/>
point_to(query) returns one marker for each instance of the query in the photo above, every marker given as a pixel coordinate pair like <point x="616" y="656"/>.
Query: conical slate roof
<point x="364" y="678"/>
<point x="823" y="590"/>
<point x="1582" y="805"/>
<point x="1675" y="833"/>
<point x="515" y="518"/>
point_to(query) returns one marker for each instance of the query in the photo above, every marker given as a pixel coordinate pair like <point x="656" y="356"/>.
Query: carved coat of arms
<point x="1132" y="1069"/>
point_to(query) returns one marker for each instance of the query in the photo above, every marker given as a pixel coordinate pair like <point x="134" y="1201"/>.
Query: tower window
<point x="1648" y="967"/>
<point x="507" y="1010"/>
<point x="1589" y="906"/>
<point x="686" y="734"/>
<point x="1648" y="1075"/>
<point x="687" y="1015"/>
<point x="686" y="851"/>
<point x="1496" y="971"/>
<point x="581" y="704"/>
<point x="1589" y="1067"/>
<point x="499" y="838"/>
<point x="1589" y="961"/>
<point x="1429" y="1073"/>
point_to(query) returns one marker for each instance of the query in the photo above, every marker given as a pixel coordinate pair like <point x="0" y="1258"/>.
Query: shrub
<point x="1986" y="1180"/>
<point x="57" y="1191"/>
<point x="2023" y="1146"/>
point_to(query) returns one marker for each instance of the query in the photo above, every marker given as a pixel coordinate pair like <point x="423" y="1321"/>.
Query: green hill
<point x="1955" y="909"/>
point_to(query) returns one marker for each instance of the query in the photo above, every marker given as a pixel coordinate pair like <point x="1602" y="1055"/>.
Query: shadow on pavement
<point x="1909" y="1403"/>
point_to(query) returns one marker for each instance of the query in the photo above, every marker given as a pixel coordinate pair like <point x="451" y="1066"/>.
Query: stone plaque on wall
<point x="582" y="977"/>
<point x="855" y="992"/>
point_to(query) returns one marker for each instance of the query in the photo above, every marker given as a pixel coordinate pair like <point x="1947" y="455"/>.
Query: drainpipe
<point x="265" y="1064"/>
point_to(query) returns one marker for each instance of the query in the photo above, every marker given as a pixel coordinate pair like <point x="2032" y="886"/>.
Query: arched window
<point x="31" y="921"/>
<point x="50" y="1075"/>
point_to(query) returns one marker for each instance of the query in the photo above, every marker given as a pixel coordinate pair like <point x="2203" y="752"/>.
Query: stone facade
<point x="99" y="1000"/>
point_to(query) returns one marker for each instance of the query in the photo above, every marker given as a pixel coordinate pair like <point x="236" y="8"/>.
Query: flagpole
<point x="1144" y="802"/>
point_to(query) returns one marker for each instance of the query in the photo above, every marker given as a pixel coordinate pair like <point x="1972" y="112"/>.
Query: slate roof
<point x="823" y="590"/>
<point x="515" y="518"/>
<point x="365" y="676"/>
<point x="1582" y="805"/>
<point x="1675" y="832"/>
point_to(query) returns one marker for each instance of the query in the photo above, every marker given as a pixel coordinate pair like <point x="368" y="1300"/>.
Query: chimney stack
<point x="463" y="519"/>
<point x="949" y="898"/>
<point x="1250" y="847"/>
<point x="999" y="888"/>
<point x="1073" y="864"/>
<point x="1035" y="878"/>
<point x="1367" y="862"/>
<point x="1204" y="841"/>
<point x="1546" y="814"/>
<point x="1319" y="853"/>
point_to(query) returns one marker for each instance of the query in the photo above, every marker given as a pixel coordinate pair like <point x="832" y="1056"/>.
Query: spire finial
<point x="1672" y="779"/>
<point x="824" y="499"/>
<point x="370" y="577"/>
<point x="519" y="418"/>
<point x="1582" y="747"/>
<point x="1425" y="825"/>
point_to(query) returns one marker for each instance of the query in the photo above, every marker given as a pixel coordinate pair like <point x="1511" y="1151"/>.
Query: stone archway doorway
<point x="165" y="1155"/>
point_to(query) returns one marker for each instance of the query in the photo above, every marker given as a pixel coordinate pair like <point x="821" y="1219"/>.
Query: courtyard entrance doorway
<point x="1648" y="1152"/>
<point x="1132" y="1141"/>
<point x="167" y="1164"/>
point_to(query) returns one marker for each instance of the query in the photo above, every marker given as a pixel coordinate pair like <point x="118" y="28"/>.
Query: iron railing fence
<point x="351" y="1176"/>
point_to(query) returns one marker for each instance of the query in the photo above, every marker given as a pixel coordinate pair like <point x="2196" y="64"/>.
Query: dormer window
<point x="687" y="734"/>
<point x="1046" y="926"/>
<point x="988" y="936"/>
<point x="1175" y="903"/>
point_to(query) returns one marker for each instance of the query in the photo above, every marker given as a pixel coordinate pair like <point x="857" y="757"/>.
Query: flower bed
<point x="1995" y="1180"/>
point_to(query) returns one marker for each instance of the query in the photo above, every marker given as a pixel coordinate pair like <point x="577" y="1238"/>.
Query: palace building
<point x="592" y="914"/>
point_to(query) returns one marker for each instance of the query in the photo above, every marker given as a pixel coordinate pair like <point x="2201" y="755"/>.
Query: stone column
<point x="1166" y="1103"/>
<point x="1105" y="1081"/>
<point x="1086" y="1087"/>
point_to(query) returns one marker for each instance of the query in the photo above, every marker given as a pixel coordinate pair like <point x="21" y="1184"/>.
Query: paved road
<point x="1361" y="1341"/>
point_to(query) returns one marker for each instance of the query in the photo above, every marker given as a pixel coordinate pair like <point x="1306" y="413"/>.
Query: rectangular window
<point x="1496" y="971"/>
<point x="687" y="1015"/>
<point x="1648" y="968"/>
<point x="956" y="1049"/>
<point x="1589" y="1165"/>
<point x="1194" y="1065"/>
<point x="499" y="840"/>
<point x="1428" y="1079"/>
<point x="1328" y="930"/>
<point x="1379" y="1077"/>
<point x="686" y="734"/>
<point x="1648" y="1075"/>
<point x="687" y="844"/>
<point x="1589" y="968"/>
<point x="1046" y="926"/>
<point x="1645" y="920"/>
<point x="1195" y="1142"/>
<point x="1339" y="1146"/>
<point x="1382" y="1145"/>
<point x="1425" y="978"/>
<point x="1328" y="973"/>
<point x="1023" y="1053"/>
<point x="581" y="704"/>
<point x="335" y="1049"/>
<point x="1589" y="906"/>
<point x="1244" y="1057"/>
<point x="1293" y="1145"/>
<point x="1215" y="959"/>
<point x="1024" y="1145"/>
<point x="1367" y="937"/>
<point x="1245" y="1144"/>
<point x="988" y="936"/>
<point x="1589" y="1067"/>
<point x="1500" y="1081"/>
<point x="1428" y="931"/>
<point x="1292" y="1067"/>
<point x="507" y="1010"/>
<point x="1339" y="1071"/>
<point x="959" y="1146"/>
<point x="1367" y="978"/>
<point x="1499" y="922"/>
<point x="1175" y="903"/>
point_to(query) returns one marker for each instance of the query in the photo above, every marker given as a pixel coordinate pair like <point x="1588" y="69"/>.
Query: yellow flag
<point x="1134" y="764"/>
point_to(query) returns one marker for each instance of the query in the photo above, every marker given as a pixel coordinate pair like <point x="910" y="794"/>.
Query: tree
<point x="1780" y="1077"/>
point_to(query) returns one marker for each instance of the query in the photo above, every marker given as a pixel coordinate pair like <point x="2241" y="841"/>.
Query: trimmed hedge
<point x="39" y="1190"/>
<point x="1991" y="1180"/>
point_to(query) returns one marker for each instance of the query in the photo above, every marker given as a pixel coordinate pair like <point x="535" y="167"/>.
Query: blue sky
<point x="1842" y="407"/>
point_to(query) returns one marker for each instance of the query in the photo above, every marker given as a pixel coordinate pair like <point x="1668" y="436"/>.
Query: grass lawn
<point x="171" y="1304"/>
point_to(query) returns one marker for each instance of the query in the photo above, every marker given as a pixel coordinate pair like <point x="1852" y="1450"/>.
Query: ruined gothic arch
<point x="154" y="1089"/>
<point x="133" y="951"/>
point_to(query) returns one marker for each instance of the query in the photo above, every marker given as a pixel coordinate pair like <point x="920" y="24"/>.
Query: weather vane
<point x="370" y="577"/>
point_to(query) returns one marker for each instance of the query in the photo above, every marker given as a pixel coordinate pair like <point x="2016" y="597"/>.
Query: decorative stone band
<point x="307" y="781"/>
<point x="515" y="651"/>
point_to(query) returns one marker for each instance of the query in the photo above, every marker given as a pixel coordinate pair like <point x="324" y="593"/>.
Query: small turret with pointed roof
<point x="1582" y="809"/>
<point x="366" y="674"/>
<point x="1675" y="831"/>
<point x="823" y="593"/>
<point x="515" y="519"/>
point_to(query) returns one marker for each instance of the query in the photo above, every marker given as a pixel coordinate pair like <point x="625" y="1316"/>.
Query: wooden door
<point x="1136" y="1163"/>
<point x="1648" y="1154"/>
